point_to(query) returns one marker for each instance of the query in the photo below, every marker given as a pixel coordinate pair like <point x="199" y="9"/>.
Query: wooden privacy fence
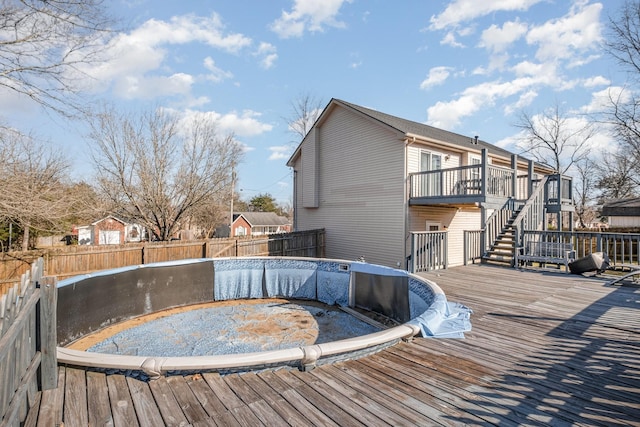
<point x="74" y="260"/>
<point x="28" y="362"/>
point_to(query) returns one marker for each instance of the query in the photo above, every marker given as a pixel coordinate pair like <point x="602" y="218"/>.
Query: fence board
<point x="74" y="260"/>
<point x="20" y="347"/>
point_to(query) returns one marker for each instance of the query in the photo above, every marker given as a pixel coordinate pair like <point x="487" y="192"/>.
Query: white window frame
<point x="430" y="182"/>
<point x="436" y="225"/>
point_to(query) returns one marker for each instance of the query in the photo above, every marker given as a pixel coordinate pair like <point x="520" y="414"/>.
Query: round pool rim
<point x="304" y="357"/>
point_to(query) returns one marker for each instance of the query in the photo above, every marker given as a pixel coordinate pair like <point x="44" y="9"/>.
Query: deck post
<point x="483" y="234"/>
<point x="514" y="179"/>
<point x="47" y="334"/>
<point x="485" y="172"/>
<point x="529" y="179"/>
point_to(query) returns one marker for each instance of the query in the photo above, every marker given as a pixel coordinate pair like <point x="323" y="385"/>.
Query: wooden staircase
<point x="502" y="250"/>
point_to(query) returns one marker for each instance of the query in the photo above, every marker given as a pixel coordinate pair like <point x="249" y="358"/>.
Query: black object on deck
<point x="597" y="261"/>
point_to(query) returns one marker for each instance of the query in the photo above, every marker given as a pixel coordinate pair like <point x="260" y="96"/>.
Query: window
<point x="430" y="182"/>
<point x="432" y="226"/>
<point x="475" y="172"/>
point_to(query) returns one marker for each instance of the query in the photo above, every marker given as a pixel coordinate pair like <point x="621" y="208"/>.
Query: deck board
<point x="546" y="348"/>
<point x="75" y="399"/>
<point x="98" y="405"/>
<point x="144" y="403"/>
<point x="122" y="408"/>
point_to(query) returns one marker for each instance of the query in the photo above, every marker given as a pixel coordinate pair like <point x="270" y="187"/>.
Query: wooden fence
<point x="75" y="260"/>
<point x="28" y="362"/>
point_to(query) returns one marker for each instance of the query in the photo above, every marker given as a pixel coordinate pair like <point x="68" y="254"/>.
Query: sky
<point x="467" y="66"/>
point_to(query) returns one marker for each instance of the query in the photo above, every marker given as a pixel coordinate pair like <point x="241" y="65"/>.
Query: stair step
<point x="496" y="261"/>
<point x="503" y="247"/>
<point x="499" y="254"/>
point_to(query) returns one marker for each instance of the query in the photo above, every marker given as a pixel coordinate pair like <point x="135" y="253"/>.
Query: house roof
<point x="109" y="217"/>
<point x="622" y="207"/>
<point x="256" y="219"/>
<point x="409" y="127"/>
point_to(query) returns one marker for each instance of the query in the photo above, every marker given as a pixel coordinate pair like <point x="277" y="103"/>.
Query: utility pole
<point x="233" y="184"/>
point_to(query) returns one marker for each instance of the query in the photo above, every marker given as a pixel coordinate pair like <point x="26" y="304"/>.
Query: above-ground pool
<point x="288" y="287"/>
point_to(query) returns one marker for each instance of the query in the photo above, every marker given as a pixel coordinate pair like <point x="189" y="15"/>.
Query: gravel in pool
<point x="231" y="328"/>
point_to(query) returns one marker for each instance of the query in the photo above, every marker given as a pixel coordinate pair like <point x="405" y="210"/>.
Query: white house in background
<point x="259" y="223"/>
<point x="371" y="179"/>
<point x="623" y="213"/>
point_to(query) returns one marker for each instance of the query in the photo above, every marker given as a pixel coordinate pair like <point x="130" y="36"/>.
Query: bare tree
<point x="158" y="171"/>
<point x="44" y="44"/>
<point x="623" y="44"/>
<point x="616" y="176"/>
<point x="584" y="192"/>
<point x="305" y="110"/>
<point x="33" y="182"/>
<point x="212" y="214"/>
<point x="553" y="138"/>
<point x="623" y="41"/>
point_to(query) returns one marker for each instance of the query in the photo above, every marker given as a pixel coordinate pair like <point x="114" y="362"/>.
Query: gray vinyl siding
<point x="413" y="157"/>
<point x="310" y="168"/>
<point x="361" y="190"/>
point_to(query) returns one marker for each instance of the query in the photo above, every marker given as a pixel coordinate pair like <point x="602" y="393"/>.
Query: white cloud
<point x="244" y="124"/>
<point x="135" y="87"/>
<point x="450" y="40"/>
<point x="466" y="10"/>
<point x="437" y="76"/>
<point x="498" y="39"/>
<point x="601" y="100"/>
<point x="129" y="58"/>
<point x="280" y="152"/>
<point x="308" y="15"/>
<point x="268" y="54"/>
<point x="523" y="101"/>
<point x="216" y="74"/>
<point x="448" y="115"/>
<point x="578" y="31"/>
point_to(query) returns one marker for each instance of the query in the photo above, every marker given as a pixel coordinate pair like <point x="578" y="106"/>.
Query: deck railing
<point x="428" y="251"/>
<point x="532" y="214"/>
<point x="621" y="248"/>
<point x="462" y="181"/>
<point x="27" y="344"/>
<point x="472" y="246"/>
<point x="559" y="191"/>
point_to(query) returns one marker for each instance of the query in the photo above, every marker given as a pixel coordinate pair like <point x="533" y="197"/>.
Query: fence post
<point x="47" y="333"/>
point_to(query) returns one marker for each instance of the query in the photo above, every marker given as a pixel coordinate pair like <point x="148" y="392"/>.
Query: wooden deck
<point x="546" y="349"/>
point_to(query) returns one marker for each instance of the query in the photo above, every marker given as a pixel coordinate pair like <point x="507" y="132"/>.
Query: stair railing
<point x="531" y="217"/>
<point x="496" y="222"/>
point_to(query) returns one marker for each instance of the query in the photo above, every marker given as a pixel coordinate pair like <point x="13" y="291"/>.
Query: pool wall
<point x="91" y="302"/>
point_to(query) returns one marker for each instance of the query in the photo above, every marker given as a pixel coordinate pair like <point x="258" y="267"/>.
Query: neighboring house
<point x="373" y="180"/>
<point x="623" y="213"/>
<point x="109" y="231"/>
<point x="259" y="223"/>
